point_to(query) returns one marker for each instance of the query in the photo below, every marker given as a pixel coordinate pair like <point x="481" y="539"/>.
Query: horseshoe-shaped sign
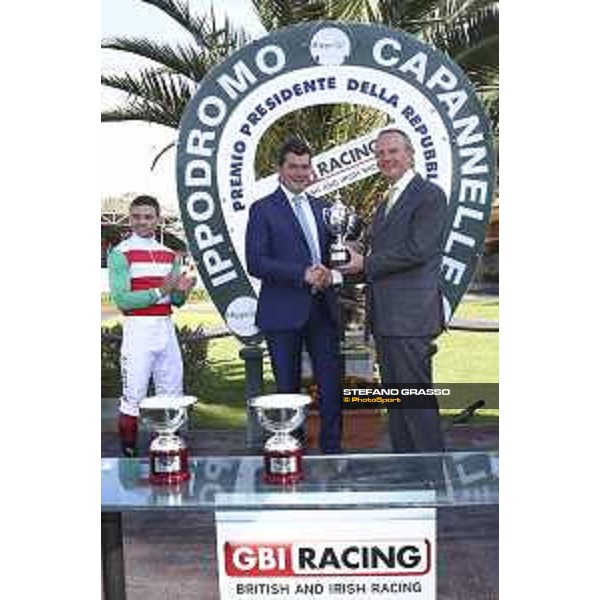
<point x="423" y="92"/>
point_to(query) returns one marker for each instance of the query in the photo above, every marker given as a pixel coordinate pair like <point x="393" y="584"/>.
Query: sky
<point x="128" y="148"/>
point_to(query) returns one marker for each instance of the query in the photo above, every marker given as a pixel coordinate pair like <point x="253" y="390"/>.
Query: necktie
<point x="314" y="253"/>
<point x="390" y="201"/>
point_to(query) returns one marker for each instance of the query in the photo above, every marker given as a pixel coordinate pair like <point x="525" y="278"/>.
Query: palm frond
<point x="222" y="38"/>
<point x="161" y="154"/>
<point x="484" y="76"/>
<point x="412" y="16"/>
<point x="156" y="92"/>
<point x="275" y="14"/>
<point x="205" y="30"/>
<point x="180" y="12"/>
<point x="181" y="59"/>
<point x="353" y="10"/>
<point x="470" y="40"/>
<point x="487" y="85"/>
<point x="136" y="113"/>
<point x="312" y="11"/>
<point x="465" y="7"/>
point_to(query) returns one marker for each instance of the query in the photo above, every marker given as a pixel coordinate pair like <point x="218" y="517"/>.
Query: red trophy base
<point x="169" y="467"/>
<point x="283" y="468"/>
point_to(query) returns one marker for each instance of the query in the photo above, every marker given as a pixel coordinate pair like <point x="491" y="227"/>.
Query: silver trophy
<point x="344" y="224"/>
<point x="281" y="414"/>
<point x="169" y="454"/>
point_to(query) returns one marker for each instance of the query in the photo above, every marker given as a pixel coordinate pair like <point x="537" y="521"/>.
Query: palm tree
<point x="159" y="93"/>
<point x="466" y="30"/>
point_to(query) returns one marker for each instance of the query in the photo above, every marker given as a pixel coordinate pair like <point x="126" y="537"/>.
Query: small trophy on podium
<point x="164" y="415"/>
<point x="281" y="414"/>
<point x="343" y="223"/>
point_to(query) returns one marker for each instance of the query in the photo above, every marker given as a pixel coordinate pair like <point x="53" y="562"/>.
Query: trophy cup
<point x="164" y="415"/>
<point x="281" y="414"/>
<point x="343" y="224"/>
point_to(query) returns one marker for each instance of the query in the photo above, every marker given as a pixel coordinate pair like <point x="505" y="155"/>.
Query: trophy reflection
<point x="164" y="415"/>
<point x="174" y="494"/>
<point x="281" y="414"/>
<point x="344" y="224"/>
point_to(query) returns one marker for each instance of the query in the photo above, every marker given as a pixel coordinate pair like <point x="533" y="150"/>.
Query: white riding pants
<point x="149" y="349"/>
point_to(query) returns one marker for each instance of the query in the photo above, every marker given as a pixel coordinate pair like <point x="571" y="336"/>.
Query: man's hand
<point x="353" y="244"/>
<point x="318" y="277"/>
<point x="185" y="284"/>
<point x="170" y="283"/>
<point x="356" y="264"/>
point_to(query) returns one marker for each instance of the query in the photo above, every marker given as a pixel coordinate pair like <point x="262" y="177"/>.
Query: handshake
<point x="175" y="282"/>
<point x="318" y="277"/>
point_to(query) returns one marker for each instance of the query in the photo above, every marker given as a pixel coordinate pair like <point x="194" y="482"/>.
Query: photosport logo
<point x="416" y="86"/>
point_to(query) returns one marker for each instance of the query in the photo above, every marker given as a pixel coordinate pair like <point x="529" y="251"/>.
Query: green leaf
<point x="183" y="60"/>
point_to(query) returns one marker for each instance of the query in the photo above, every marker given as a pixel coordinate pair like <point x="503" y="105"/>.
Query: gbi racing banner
<point x="381" y="554"/>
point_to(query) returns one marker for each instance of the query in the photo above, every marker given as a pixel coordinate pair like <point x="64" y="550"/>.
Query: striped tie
<point x="314" y="253"/>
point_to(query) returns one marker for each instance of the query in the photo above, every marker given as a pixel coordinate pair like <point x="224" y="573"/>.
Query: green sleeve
<point x="120" y="285"/>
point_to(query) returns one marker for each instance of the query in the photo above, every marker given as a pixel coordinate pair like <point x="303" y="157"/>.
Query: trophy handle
<point x="177" y="420"/>
<point x="297" y="418"/>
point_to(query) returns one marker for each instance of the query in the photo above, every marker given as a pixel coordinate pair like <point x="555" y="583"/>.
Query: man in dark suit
<point x="404" y="299"/>
<point x="287" y="247"/>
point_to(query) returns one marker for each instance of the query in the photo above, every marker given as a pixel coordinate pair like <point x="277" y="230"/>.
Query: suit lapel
<point x="378" y="218"/>
<point x="404" y="202"/>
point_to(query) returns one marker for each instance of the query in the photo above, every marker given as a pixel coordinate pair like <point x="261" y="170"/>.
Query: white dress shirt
<point x="304" y="206"/>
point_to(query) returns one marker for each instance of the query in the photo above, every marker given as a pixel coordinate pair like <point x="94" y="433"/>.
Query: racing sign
<point x="416" y="86"/>
<point x="379" y="554"/>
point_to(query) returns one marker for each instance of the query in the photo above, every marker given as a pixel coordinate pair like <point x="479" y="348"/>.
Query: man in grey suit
<point x="404" y="300"/>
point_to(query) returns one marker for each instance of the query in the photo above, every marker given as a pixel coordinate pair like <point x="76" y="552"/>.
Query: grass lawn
<point x="462" y="357"/>
<point x="478" y="307"/>
<point x="468" y="357"/>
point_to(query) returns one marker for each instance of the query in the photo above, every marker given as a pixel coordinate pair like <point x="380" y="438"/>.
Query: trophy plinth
<point x="169" y="454"/>
<point x="281" y="414"/>
<point x="283" y="460"/>
<point x="168" y="460"/>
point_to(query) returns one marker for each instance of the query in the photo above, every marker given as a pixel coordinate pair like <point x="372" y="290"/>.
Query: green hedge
<point x="194" y="350"/>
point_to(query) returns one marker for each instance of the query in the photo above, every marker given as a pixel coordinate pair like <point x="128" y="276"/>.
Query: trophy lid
<point x="282" y="401"/>
<point x="166" y="402"/>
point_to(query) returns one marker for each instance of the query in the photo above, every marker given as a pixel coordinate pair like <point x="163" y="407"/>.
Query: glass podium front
<point x="462" y="487"/>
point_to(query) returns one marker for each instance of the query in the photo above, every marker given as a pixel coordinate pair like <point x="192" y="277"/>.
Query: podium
<point x="462" y="488"/>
